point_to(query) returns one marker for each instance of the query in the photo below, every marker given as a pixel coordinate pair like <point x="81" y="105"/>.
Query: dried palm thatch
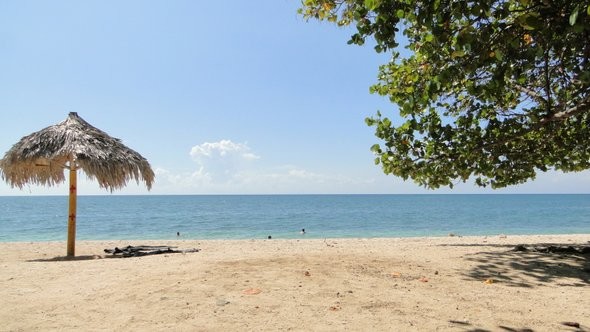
<point x="40" y="158"/>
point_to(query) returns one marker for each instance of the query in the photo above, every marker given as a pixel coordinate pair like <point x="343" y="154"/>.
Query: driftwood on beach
<point x="136" y="251"/>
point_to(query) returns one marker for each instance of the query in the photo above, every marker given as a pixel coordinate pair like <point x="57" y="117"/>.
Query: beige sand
<point x="417" y="284"/>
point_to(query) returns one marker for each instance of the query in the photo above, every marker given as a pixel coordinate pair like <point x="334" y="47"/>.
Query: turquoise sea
<point x="115" y="217"/>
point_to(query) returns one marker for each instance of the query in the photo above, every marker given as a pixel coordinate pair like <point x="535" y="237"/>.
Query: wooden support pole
<point x="72" y="210"/>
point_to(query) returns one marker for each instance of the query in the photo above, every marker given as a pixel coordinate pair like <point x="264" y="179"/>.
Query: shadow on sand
<point x="468" y="327"/>
<point x="527" y="266"/>
<point x="73" y="259"/>
<point x="530" y="267"/>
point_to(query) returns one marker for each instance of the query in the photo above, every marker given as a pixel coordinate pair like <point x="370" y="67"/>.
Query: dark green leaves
<point x="492" y="90"/>
<point x="530" y="21"/>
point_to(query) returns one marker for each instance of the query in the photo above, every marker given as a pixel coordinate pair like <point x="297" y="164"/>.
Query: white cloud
<point x="220" y="162"/>
<point x="250" y="156"/>
<point x="229" y="167"/>
<point x="222" y="149"/>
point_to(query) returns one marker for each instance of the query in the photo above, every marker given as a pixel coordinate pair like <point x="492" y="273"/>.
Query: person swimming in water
<point x="302" y="231"/>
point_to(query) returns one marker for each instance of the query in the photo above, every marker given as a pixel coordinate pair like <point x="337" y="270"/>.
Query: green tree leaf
<point x="574" y="15"/>
<point x="372" y="4"/>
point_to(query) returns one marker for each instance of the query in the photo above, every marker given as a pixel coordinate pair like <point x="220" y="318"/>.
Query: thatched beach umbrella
<point x="40" y="158"/>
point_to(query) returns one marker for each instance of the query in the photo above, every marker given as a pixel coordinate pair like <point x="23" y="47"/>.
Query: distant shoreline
<point x="306" y="238"/>
<point x="506" y="238"/>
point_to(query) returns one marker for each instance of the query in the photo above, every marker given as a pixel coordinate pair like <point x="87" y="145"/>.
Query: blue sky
<point x="221" y="97"/>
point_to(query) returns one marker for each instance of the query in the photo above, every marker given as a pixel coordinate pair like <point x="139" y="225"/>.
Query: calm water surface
<point x="44" y="218"/>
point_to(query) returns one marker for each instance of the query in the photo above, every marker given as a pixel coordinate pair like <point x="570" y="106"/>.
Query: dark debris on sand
<point x="136" y="251"/>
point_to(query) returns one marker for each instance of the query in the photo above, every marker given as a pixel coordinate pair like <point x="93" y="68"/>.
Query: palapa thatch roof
<point x="40" y="158"/>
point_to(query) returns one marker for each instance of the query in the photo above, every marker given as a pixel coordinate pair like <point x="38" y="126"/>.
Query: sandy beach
<point x="395" y="284"/>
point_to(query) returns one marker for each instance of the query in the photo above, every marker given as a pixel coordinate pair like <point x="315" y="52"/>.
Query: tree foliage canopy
<point x="492" y="89"/>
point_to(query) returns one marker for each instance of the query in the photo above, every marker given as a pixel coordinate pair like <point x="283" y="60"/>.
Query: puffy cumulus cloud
<point x="220" y="162"/>
<point x="217" y="166"/>
<point x="223" y="149"/>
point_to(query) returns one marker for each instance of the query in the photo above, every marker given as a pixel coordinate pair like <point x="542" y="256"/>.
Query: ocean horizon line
<point x="303" y="194"/>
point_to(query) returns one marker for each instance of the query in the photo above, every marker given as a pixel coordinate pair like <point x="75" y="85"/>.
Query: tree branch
<point x="582" y="107"/>
<point x="530" y="93"/>
<point x="547" y="81"/>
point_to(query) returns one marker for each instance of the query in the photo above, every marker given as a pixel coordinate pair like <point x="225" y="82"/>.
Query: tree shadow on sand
<point x="73" y="259"/>
<point x="528" y="266"/>
<point x="125" y="252"/>
<point x="468" y="327"/>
